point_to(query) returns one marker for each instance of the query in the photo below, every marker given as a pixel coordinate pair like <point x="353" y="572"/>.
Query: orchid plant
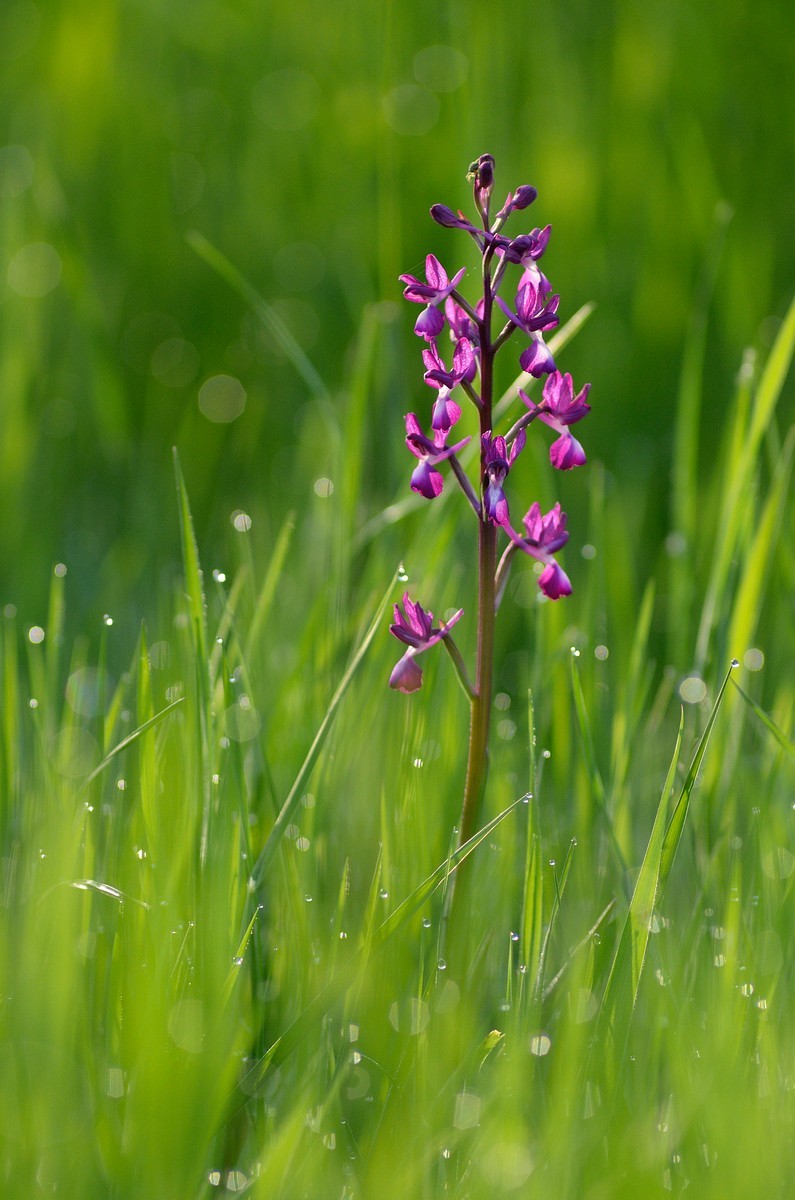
<point x="477" y="338"/>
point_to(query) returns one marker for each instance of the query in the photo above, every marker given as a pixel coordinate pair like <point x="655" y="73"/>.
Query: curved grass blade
<point x="621" y="992"/>
<point x="676" y="824"/>
<point x="266" y="313"/>
<point x="132" y="737"/>
<point x="770" y="725"/>
<point x="294" y="797"/>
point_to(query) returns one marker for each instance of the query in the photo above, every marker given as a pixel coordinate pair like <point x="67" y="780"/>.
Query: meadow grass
<point x="224" y="869"/>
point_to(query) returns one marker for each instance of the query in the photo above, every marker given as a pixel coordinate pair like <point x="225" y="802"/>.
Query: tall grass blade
<point x="786" y="744"/>
<point x="294" y="797"/>
<point x="621" y="991"/>
<point x="676" y="824"/>
<point x="266" y="313"/>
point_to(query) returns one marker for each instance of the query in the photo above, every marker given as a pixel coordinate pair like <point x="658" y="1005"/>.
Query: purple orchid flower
<point x="460" y="322"/>
<point x="425" y="479"/>
<point x="528" y="248"/>
<point x="414" y="627"/>
<point x="535" y="312"/>
<point x="481" y="175"/>
<point x="445" y="411"/>
<point x="546" y="534"/>
<point x="561" y="408"/>
<point x="430" y="322"/>
<point x="521" y="198"/>
<point x="497" y="462"/>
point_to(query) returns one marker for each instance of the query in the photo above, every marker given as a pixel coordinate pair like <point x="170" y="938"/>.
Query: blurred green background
<point x="307" y="144"/>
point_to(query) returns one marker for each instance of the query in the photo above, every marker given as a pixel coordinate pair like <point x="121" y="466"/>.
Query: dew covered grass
<point x="225" y="843"/>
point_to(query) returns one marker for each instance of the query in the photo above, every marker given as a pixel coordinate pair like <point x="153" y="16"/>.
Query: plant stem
<point x="480" y="706"/>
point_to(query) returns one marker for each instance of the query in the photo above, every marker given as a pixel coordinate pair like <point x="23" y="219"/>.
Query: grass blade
<point x="294" y="797"/>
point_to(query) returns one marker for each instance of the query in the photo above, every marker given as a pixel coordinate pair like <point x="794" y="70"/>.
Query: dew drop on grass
<point x="735" y="663"/>
<point x="402" y="574"/>
<point x="237" y="961"/>
<point x="441" y="965"/>
<point x="308" y="899"/>
<point x="219" y="577"/>
<point x="343" y="936"/>
<point x="426" y="922"/>
<point x="514" y="936"/>
<point x="107" y="619"/>
<point x="383" y="894"/>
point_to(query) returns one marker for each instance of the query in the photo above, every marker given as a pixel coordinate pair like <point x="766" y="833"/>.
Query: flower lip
<point x="414" y="627"/>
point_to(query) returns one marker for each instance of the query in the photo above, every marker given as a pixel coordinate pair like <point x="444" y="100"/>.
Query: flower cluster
<point x="477" y="336"/>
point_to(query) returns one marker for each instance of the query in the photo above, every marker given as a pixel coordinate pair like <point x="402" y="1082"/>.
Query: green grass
<point x="225" y="843"/>
<point x="224" y="875"/>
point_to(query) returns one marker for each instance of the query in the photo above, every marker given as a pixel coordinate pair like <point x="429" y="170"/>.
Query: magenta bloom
<point x="528" y="248"/>
<point x="445" y="411"/>
<point x="521" y="198"/>
<point x="430" y="322"/>
<point x="497" y="463"/>
<point x="414" y="627"/>
<point x="546" y="534"/>
<point x="425" y="479"/>
<point x="460" y="322"/>
<point x="561" y="408"/>
<point x="535" y="312"/>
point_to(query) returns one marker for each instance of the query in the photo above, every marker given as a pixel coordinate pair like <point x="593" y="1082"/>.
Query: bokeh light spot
<point x="692" y="689"/>
<point x="16" y="170"/>
<point x="286" y="100"/>
<point x="411" y="110"/>
<point x="175" y="362"/>
<point x="440" y="68"/>
<point x="35" y="270"/>
<point x="222" y="398"/>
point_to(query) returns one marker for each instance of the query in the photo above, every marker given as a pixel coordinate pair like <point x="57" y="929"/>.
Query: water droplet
<point x="343" y="936"/>
<point x="308" y="898"/>
<point x="597" y="939"/>
<point x="575" y="652"/>
<point x="747" y="989"/>
<point x="237" y="962"/>
<point x="107" y="619"/>
<point x="735" y="663"/>
<point x="59" y="570"/>
<point x="514" y="936"/>
<point x="402" y="574"/>
<point x="441" y="965"/>
<point x="446" y="1153"/>
<point x="383" y="894"/>
<point x="552" y="862"/>
<point x="546" y="753"/>
<point x="426" y="922"/>
<point x="36" y="634"/>
<point x="33" y="703"/>
<point x="522" y="968"/>
<point x="219" y="577"/>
